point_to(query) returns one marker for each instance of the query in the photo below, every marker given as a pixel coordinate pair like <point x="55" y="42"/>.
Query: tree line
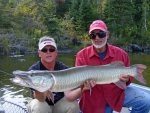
<point x="127" y="20"/>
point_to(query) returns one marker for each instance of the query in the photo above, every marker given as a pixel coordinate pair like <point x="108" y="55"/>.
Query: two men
<point x="105" y="97"/>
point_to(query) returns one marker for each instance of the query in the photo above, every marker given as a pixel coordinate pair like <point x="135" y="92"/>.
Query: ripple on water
<point x="13" y="99"/>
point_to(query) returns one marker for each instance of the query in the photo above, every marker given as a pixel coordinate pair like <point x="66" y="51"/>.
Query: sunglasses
<point x="44" y="50"/>
<point x="99" y="34"/>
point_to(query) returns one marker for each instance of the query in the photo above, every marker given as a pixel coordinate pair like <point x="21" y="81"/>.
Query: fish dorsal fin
<point x="116" y="63"/>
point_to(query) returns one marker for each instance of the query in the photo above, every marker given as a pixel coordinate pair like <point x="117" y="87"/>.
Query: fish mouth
<point x="24" y="81"/>
<point x="15" y="80"/>
<point x="22" y="78"/>
<point x="18" y="81"/>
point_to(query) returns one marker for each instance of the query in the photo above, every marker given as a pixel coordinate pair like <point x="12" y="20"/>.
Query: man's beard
<point x="100" y="46"/>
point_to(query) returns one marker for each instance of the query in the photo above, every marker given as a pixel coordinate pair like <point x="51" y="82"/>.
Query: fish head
<point x="38" y="80"/>
<point x="18" y="81"/>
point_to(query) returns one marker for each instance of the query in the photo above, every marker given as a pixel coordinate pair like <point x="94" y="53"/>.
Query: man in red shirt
<point x="106" y="97"/>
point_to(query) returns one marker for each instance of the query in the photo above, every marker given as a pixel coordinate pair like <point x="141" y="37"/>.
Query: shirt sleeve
<point x="79" y="60"/>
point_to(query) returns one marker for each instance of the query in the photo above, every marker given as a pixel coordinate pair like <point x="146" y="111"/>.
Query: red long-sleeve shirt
<point x="102" y="93"/>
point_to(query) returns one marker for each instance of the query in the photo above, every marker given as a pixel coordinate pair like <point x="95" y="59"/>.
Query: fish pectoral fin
<point x="50" y="96"/>
<point x="121" y="84"/>
<point x="90" y="87"/>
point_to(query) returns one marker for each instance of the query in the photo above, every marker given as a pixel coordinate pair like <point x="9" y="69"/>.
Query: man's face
<point x="48" y="54"/>
<point x="99" y="38"/>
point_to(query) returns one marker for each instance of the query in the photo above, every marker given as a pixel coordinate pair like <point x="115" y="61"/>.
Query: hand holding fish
<point x="124" y="78"/>
<point x="41" y="96"/>
<point x="87" y="85"/>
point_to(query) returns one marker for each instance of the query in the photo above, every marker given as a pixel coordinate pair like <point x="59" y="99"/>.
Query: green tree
<point x="145" y="26"/>
<point x="119" y="19"/>
<point x="62" y="8"/>
<point x="74" y="10"/>
<point x="47" y="15"/>
<point x="6" y="13"/>
<point x="85" y="15"/>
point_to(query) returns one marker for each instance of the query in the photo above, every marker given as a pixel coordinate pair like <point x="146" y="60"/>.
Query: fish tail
<point x="139" y="75"/>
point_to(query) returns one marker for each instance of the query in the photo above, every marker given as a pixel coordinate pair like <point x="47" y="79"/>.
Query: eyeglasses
<point x="44" y="50"/>
<point x="100" y="35"/>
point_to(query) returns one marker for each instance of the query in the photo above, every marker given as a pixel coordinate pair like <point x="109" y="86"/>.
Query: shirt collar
<point x="93" y="52"/>
<point x="110" y="50"/>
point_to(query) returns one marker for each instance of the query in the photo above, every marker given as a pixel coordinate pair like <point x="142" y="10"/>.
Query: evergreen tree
<point x="62" y="8"/>
<point x="145" y="26"/>
<point x="83" y="13"/>
<point x="138" y="11"/>
<point x="48" y="17"/>
<point x="6" y="13"/>
<point x="119" y="18"/>
<point x="74" y="10"/>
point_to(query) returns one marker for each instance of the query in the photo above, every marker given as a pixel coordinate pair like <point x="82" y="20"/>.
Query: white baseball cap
<point x="44" y="41"/>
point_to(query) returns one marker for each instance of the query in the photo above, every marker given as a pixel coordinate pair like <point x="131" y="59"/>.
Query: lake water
<point x="8" y="64"/>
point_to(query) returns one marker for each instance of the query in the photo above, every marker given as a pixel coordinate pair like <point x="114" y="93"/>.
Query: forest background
<point x="23" y="22"/>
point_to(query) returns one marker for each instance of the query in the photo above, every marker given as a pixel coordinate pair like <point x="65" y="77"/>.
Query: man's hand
<point x="87" y="85"/>
<point x="124" y="78"/>
<point x="40" y="96"/>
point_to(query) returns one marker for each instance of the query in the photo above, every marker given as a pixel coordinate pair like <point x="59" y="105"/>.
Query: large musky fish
<point x="62" y="80"/>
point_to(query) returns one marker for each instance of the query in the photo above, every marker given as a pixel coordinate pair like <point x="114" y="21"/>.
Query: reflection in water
<point x="10" y="99"/>
<point x="11" y="96"/>
<point x="16" y="56"/>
